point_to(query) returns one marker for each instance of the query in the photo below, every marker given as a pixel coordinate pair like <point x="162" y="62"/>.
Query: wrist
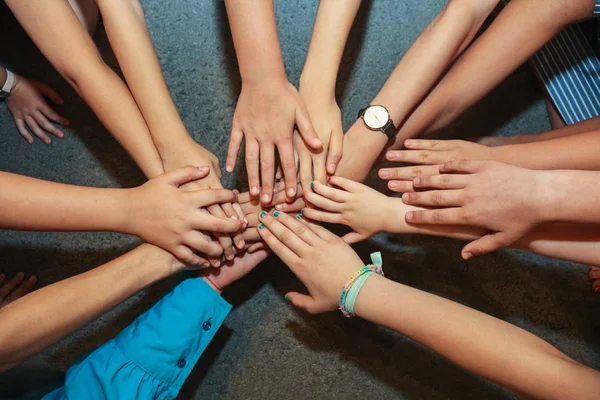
<point x="125" y="212"/>
<point x="210" y="282"/>
<point x="549" y="194"/>
<point x="316" y="87"/>
<point x="265" y="76"/>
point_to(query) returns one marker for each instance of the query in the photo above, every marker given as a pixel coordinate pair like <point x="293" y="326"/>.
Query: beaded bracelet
<point x="355" y="284"/>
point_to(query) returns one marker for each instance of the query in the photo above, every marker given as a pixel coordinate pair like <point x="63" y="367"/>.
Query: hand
<point x="265" y="116"/>
<point x="326" y="117"/>
<point x="163" y="215"/>
<point x="191" y="153"/>
<point x="320" y="259"/>
<point x="233" y="270"/>
<point x="429" y="152"/>
<point x="14" y="289"/>
<point x="27" y="106"/>
<point x="502" y="198"/>
<point x="363" y="209"/>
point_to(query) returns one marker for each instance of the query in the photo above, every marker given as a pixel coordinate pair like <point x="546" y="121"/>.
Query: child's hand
<point x="265" y="116"/>
<point x="191" y="153"/>
<point x="363" y="209"/>
<point x="320" y="259"/>
<point x="428" y="155"/>
<point x="163" y="215"/>
<point x="502" y="198"/>
<point x="234" y="270"/>
<point x="29" y="109"/>
<point x="15" y="288"/>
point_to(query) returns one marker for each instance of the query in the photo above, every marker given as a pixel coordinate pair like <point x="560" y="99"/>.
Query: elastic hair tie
<point x="356" y="282"/>
<point x="213" y="283"/>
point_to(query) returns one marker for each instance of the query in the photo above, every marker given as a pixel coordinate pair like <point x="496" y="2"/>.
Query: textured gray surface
<point x="266" y="349"/>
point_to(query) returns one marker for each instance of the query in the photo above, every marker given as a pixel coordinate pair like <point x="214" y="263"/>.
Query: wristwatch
<point x="377" y="118"/>
<point x="10" y="80"/>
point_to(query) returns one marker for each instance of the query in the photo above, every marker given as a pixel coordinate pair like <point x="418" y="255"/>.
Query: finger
<point x="285" y="235"/>
<point x="251" y="208"/>
<point x="235" y="141"/>
<point x="318" y="229"/>
<point x="245" y="197"/>
<point x="256" y="247"/>
<point x="354" y="237"/>
<point x="488" y="243"/>
<point x="446" y="216"/>
<point x="306" y="168"/>
<point x="47" y="125"/>
<point x="426" y="157"/>
<point x="240" y="213"/>
<point x="2" y="278"/>
<point x="181" y="176"/>
<point x="212" y="223"/>
<point x="293" y="223"/>
<point x="334" y="153"/>
<point x="435" y="198"/>
<point x="426" y="144"/>
<point x="401" y="186"/>
<point x="281" y="250"/>
<point x="252" y="154"/>
<point x="267" y="172"/>
<point x="346" y="184"/>
<point x="54" y="116"/>
<point x="322" y="216"/>
<point x="37" y="131"/>
<point x="288" y="165"/>
<point x="48" y="92"/>
<point x="594" y="273"/>
<point x="468" y="167"/>
<point x="322" y="202"/>
<point x="278" y="173"/>
<point x="207" y="197"/>
<point x="10" y="285"/>
<point x="202" y="243"/>
<point x="237" y="235"/>
<point x="306" y="129"/>
<point x="279" y="183"/>
<point x="445" y="181"/>
<point x="189" y="258"/>
<point x="330" y="193"/>
<point x="22" y="290"/>
<point x="292" y="207"/>
<point x="23" y="130"/>
<point x="408" y="173"/>
<point x="224" y="239"/>
<point x="282" y="197"/>
<point x="251" y="235"/>
<point x="302" y="301"/>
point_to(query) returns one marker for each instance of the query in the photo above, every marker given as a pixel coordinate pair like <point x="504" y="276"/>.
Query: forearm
<point x="415" y="75"/>
<point x="479" y="343"/>
<point x="33" y="204"/>
<point x="72" y="303"/>
<point x="72" y="52"/>
<point x="255" y="38"/>
<point x="592" y="124"/>
<point x="130" y="40"/>
<point x="520" y="30"/>
<point x="330" y="33"/>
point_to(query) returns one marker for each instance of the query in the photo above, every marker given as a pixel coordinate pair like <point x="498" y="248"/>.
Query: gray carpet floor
<point x="266" y="349"/>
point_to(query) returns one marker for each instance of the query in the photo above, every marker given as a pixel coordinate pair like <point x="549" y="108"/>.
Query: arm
<point x="70" y="49"/>
<point x="26" y="328"/>
<point x="269" y="107"/>
<point x="418" y="71"/>
<point x="317" y="87"/>
<point x="520" y="30"/>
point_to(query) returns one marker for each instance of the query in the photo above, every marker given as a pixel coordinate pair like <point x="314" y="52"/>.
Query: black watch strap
<point x="361" y="112"/>
<point x="390" y="130"/>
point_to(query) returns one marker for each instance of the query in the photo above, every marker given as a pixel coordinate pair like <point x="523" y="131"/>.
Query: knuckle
<point x="416" y="172"/>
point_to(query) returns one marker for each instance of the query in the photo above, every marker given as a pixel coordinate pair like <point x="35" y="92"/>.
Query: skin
<point x="269" y="106"/>
<point x="28" y="330"/>
<point x="158" y="211"/>
<point x="317" y="88"/>
<point x="15" y="288"/>
<point x="486" y="346"/>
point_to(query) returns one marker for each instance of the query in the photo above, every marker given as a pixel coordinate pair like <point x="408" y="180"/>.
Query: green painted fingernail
<point x="299" y="216"/>
<point x="263" y="214"/>
<point x="302" y="212"/>
<point x="276" y="214"/>
<point x="261" y="226"/>
<point x="312" y="185"/>
<point x="287" y="298"/>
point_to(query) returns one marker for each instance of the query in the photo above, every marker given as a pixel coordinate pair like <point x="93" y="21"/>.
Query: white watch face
<point x="376" y="117"/>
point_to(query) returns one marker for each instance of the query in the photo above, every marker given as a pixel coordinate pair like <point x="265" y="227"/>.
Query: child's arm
<point x="418" y="71"/>
<point x="520" y="30"/>
<point x="317" y="87"/>
<point x="157" y="211"/>
<point x="479" y="343"/>
<point x="70" y="49"/>
<point x="269" y="106"/>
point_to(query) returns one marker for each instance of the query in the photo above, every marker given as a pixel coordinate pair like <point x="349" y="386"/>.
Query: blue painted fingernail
<point x="287" y="298"/>
<point x="261" y="226"/>
<point x="276" y="214"/>
<point x="299" y="216"/>
<point x="302" y="212"/>
<point x="312" y="185"/>
<point x="263" y="214"/>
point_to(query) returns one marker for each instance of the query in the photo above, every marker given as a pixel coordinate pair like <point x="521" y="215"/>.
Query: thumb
<point x="487" y="244"/>
<point x="302" y="301"/>
<point x="48" y="92"/>
<point x="307" y="131"/>
<point x="353" y="237"/>
<point x="183" y="175"/>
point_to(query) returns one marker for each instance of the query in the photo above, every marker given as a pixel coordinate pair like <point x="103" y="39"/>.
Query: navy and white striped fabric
<point x="597" y="9"/>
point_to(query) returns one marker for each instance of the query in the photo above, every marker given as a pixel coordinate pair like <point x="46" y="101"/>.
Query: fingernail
<point x="266" y="198"/>
<point x="328" y="179"/>
<point x="262" y="214"/>
<point x="392" y="156"/>
<point x="241" y="243"/>
<point x="279" y="207"/>
<point x="393" y="185"/>
<point x="417" y="181"/>
<point x="229" y="256"/>
<point x="261" y="226"/>
<point x="204" y="168"/>
<point x="312" y="185"/>
<point x="596" y="288"/>
<point x="234" y="217"/>
<point x="406" y="198"/>
<point x="206" y="264"/>
<point x="384" y="174"/>
<point x="409" y="216"/>
<point x="254" y="191"/>
<point x="291" y="192"/>
<point x="276" y="214"/>
<point x="467" y="255"/>
<point x="409" y="143"/>
<point x="229" y="168"/>
<point x="217" y="264"/>
<point x="302" y="212"/>
<point x="299" y="216"/>
<point x="332" y="167"/>
<point x="287" y="298"/>
<point x="246" y="221"/>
